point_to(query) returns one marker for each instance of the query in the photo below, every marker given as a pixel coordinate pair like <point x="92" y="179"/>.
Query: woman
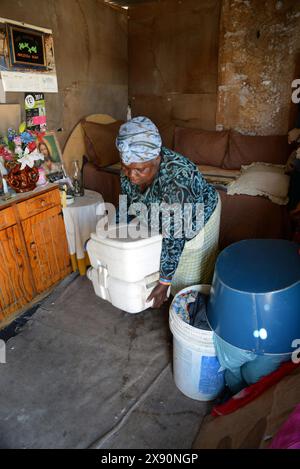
<point x="154" y="175"/>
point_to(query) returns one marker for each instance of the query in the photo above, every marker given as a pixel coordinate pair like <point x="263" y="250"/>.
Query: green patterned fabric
<point x="197" y="261"/>
<point x="177" y="181"/>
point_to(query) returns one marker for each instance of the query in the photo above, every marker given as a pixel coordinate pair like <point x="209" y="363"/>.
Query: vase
<point x="22" y="180"/>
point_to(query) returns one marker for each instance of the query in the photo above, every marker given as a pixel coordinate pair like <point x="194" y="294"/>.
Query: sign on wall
<point x="35" y="110"/>
<point x="26" y="47"/>
<point x="27" y="60"/>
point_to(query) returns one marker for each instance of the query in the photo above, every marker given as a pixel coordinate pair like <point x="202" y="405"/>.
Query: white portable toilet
<point x="125" y="262"/>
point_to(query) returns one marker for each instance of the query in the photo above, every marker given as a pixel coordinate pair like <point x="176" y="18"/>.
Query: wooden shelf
<point x="33" y="249"/>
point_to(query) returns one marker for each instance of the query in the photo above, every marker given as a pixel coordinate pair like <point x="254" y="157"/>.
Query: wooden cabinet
<point x="47" y="247"/>
<point x="16" y="288"/>
<point x="33" y="249"/>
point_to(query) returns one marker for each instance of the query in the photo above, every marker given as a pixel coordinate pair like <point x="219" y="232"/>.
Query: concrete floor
<point x="83" y="374"/>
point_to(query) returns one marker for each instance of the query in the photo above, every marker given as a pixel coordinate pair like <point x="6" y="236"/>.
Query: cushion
<point x="262" y="179"/>
<point x="100" y="142"/>
<point x="201" y="146"/>
<point x="219" y="177"/>
<point x="113" y="168"/>
<point x="246" y="149"/>
<point x="100" y="180"/>
<point x="245" y="216"/>
<point x="208" y="170"/>
<point x="166" y="131"/>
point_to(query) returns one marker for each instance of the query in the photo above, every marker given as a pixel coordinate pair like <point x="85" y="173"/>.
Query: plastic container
<point x="127" y="296"/>
<point x="125" y="256"/>
<point x="124" y="266"/>
<point x="196" y="368"/>
<point x="255" y="297"/>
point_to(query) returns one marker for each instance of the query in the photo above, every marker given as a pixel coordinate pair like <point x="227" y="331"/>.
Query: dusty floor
<point x="81" y="373"/>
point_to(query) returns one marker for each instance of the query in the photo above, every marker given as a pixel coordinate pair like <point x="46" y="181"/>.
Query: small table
<point x="81" y="219"/>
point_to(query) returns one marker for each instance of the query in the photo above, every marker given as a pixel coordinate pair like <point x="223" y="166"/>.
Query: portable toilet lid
<point x="255" y="296"/>
<point x="125" y="235"/>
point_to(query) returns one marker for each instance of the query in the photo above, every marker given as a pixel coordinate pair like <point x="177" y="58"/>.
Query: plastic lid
<point x="126" y="236"/>
<point x="259" y="265"/>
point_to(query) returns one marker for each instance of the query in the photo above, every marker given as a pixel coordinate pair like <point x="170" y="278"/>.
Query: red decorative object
<point x="252" y="391"/>
<point x="22" y="180"/>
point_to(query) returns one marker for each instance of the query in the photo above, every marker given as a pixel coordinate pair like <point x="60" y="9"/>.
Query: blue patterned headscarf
<point x="138" y="141"/>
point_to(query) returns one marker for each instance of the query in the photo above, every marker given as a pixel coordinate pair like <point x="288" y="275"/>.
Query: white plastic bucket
<point x="197" y="371"/>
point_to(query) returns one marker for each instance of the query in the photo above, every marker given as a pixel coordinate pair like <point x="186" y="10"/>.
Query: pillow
<point x="246" y="149"/>
<point x="100" y="142"/>
<point x="201" y="146"/>
<point x="262" y="179"/>
<point x="166" y="131"/>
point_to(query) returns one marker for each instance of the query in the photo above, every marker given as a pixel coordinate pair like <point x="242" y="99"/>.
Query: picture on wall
<point x="26" y="47"/>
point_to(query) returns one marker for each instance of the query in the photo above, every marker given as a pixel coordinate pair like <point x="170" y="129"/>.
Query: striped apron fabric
<point x="197" y="261"/>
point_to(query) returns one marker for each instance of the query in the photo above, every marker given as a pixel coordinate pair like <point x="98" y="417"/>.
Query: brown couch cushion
<point x="246" y="149"/>
<point x="166" y="131"/>
<point x="100" y="180"/>
<point x="201" y="146"/>
<point x="246" y="217"/>
<point x="100" y="142"/>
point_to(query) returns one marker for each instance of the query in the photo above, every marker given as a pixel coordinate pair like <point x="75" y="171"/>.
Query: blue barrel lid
<point x="255" y="296"/>
<point x="260" y="265"/>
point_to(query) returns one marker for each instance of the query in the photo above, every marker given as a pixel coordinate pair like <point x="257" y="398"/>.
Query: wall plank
<point x="173" y="61"/>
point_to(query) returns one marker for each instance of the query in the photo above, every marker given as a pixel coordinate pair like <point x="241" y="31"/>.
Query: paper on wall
<point x="31" y="82"/>
<point x="35" y="111"/>
<point x="2" y="93"/>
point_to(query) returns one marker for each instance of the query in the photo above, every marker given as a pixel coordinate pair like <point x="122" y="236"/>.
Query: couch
<point x="220" y="152"/>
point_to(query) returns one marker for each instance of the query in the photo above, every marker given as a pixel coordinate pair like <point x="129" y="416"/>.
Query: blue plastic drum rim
<point x="255" y="296"/>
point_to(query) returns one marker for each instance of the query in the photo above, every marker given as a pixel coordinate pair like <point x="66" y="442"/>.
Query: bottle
<point x="76" y="177"/>
<point x="63" y="196"/>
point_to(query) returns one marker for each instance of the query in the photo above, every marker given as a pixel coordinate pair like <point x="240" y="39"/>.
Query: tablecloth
<point x="81" y="219"/>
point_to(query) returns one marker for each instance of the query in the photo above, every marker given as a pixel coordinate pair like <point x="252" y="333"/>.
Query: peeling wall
<point x="259" y="42"/>
<point x="173" y="61"/>
<point x="90" y="41"/>
<point x="185" y="67"/>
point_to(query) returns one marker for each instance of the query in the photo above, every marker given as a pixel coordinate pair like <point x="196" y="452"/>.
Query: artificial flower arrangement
<point x="20" y="148"/>
<point x="21" y="158"/>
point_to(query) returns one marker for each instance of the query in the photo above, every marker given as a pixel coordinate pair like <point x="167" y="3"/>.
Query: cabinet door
<point x="47" y="248"/>
<point x="15" y="282"/>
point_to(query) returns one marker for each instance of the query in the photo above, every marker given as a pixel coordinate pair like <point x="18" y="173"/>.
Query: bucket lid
<point x="259" y="265"/>
<point x="255" y="295"/>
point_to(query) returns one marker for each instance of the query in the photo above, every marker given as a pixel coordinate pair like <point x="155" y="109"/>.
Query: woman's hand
<point x="159" y="295"/>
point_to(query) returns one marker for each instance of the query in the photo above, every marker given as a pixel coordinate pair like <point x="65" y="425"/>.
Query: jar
<point x="42" y="177"/>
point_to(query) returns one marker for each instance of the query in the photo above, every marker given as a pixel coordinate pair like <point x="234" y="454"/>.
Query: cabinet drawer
<point x="38" y="204"/>
<point x="7" y="218"/>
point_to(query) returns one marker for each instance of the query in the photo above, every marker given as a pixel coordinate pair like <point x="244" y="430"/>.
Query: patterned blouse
<point x="177" y="181"/>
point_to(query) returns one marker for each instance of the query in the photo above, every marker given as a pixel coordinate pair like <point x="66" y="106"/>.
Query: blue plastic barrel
<point x="255" y="296"/>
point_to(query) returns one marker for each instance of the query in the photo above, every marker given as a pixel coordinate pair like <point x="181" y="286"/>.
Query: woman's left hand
<point x="159" y="295"/>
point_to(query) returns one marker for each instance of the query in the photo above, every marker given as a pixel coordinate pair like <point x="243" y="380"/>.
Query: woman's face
<point x="141" y="174"/>
<point x="44" y="150"/>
